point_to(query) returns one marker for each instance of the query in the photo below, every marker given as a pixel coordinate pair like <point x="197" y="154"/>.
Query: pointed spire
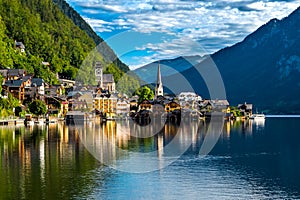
<point x="158" y="80"/>
<point x="159" y="87"/>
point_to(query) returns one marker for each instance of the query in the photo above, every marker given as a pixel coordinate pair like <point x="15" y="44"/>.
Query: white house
<point x="123" y="107"/>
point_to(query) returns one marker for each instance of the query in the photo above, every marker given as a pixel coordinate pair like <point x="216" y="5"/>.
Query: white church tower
<point x="99" y="74"/>
<point x="159" y="91"/>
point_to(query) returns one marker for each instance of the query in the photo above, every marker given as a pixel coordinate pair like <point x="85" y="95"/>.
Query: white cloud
<point x="208" y="24"/>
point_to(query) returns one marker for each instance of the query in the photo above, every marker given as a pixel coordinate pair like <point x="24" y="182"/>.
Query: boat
<point x="257" y="116"/>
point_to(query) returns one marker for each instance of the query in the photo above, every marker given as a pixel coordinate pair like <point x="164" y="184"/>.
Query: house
<point x="208" y="106"/>
<point x="67" y="82"/>
<point x="3" y="72"/>
<point x="189" y="96"/>
<point x="54" y="90"/>
<point x="189" y="100"/>
<point x="123" y="107"/>
<point x="16" y="88"/>
<point x="39" y="85"/>
<point x="75" y="117"/>
<point x="106" y="104"/>
<point x="15" y="74"/>
<point x="12" y="74"/>
<point x="145" y="105"/>
<point x="172" y="106"/>
<point x="87" y="97"/>
<point x="27" y="80"/>
<point x="109" y="83"/>
<point x="245" y="109"/>
<point x="57" y="105"/>
<point x="220" y="106"/>
<point x="20" y="46"/>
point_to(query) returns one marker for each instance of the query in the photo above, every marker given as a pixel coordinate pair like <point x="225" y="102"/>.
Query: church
<point x="105" y="81"/>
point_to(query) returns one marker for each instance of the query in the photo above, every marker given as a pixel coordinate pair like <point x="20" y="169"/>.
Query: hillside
<point x="263" y="69"/>
<point x="48" y="36"/>
<point x="105" y="50"/>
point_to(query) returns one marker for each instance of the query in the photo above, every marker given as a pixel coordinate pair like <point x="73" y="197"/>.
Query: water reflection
<point x="125" y="145"/>
<point x="250" y="160"/>
<point x="42" y="162"/>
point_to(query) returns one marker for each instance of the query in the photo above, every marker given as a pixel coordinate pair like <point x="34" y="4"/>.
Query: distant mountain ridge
<point x="263" y="69"/>
<point x="169" y="67"/>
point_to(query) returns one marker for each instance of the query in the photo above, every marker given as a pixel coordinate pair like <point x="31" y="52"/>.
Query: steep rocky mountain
<point x="46" y="35"/>
<point x="263" y="69"/>
<point x="105" y="50"/>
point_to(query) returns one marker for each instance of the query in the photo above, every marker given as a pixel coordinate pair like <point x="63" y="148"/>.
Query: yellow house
<point x="106" y="104"/>
<point x="170" y="107"/>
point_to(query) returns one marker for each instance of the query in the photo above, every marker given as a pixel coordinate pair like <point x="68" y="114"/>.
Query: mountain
<point x="169" y="67"/>
<point x="49" y="36"/>
<point x="104" y="49"/>
<point x="263" y="69"/>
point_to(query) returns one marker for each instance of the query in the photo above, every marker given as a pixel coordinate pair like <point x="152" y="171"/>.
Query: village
<point x="71" y="101"/>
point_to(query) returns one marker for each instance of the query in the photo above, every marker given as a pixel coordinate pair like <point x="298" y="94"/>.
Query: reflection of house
<point x="158" y="109"/>
<point x="245" y="109"/>
<point x="16" y="88"/>
<point x="106" y="104"/>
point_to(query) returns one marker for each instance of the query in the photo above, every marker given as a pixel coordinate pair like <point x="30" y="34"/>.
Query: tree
<point x="144" y="93"/>
<point x="37" y="107"/>
<point x="1" y="81"/>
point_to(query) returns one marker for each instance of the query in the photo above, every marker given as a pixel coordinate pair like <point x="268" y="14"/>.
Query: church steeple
<point x="159" y="91"/>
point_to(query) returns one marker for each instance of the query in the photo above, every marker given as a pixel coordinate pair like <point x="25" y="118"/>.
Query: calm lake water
<point x="251" y="160"/>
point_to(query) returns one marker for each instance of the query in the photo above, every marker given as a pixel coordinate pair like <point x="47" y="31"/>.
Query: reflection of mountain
<point x="44" y="163"/>
<point x="263" y="69"/>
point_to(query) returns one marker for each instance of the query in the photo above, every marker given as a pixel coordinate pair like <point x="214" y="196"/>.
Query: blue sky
<point x="142" y="31"/>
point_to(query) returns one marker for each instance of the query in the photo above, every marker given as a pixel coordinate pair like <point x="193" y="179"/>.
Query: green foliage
<point x="37" y="107"/>
<point x="104" y="49"/>
<point x="7" y="105"/>
<point x="1" y="81"/>
<point x="235" y="111"/>
<point x="48" y="35"/>
<point x="144" y="93"/>
<point x="128" y="84"/>
<point x="51" y="36"/>
<point x="113" y="69"/>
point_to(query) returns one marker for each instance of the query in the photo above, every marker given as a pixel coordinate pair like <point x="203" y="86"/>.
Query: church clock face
<point x="98" y="72"/>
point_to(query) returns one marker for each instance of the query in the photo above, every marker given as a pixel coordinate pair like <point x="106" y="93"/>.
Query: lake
<point x="250" y="160"/>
